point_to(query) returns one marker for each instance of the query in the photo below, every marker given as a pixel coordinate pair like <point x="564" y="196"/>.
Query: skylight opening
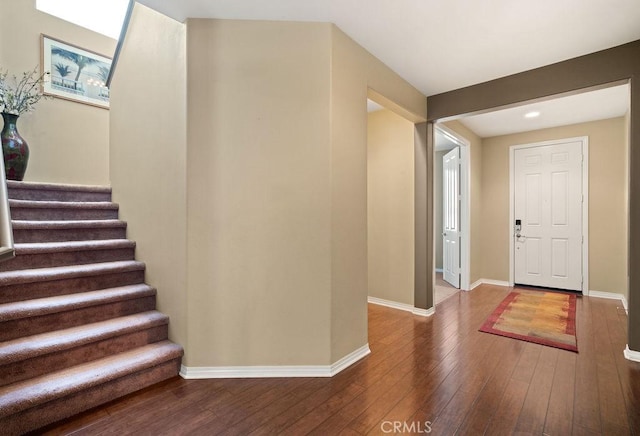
<point x="102" y="16"/>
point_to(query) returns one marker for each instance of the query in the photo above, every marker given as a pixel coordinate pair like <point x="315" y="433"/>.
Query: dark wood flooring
<point x="438" y="369"/>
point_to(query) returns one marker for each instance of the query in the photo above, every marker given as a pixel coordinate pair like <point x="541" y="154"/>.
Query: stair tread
<point x="62" y="303"/>
<point x="62" y="246"/>
<point x="68" y="224"/>
<point x="60" y="340"/>
<point x="57" y="186"/>
<point x="40" y="390"/>
<point x="68" y="271"/>
<point x="38" y="204"/>
<point x="64" y="315"/>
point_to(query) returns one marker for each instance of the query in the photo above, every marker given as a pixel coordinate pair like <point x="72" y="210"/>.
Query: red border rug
<point x="547" y="318"/>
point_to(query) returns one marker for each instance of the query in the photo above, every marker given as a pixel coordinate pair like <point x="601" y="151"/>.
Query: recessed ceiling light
<point x="532" y="114"/>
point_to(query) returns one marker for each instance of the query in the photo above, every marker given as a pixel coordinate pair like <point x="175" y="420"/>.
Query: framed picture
<point x="76" y="74"/>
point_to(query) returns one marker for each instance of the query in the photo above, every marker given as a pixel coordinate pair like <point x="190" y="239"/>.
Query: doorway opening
<point x="390" y="207"/>
<point x="451" y="212"/>
<point x="602" y="115"/>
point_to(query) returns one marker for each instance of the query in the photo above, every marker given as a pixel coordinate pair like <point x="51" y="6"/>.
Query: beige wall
<point x="68" y="141"/>
<point x="259" y="183"/>
<point x="390" y="191"/>
<point x="277" y="190"/>
<point x="348" y="196"/>
<point x="476" y="198"/>
<point x="259" y="193"/>
<point x="608" y="189"/>
<point x="148" y="156"/>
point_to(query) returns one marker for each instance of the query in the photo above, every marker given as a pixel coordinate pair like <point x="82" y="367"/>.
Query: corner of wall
<point x="148" y="156"/>
<point x="354" y="72"/>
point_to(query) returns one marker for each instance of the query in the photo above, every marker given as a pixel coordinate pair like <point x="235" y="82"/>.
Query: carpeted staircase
<point x="78" y="325"/>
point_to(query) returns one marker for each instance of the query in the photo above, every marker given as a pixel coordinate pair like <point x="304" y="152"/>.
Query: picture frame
<point x="76" y="74"/>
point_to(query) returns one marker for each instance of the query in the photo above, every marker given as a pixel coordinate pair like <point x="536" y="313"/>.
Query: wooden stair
<point x="78" y="325"/>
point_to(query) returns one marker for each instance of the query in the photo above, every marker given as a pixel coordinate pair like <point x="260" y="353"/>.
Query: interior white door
<point x="451" y="217"/>
<point x="548" y="206"/>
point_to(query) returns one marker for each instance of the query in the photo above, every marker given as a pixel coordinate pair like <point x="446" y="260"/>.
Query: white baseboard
<point x="439" y="270"/>
<point x="401" y="306"/>
<point x="610" y="296"/>
<point x="424" y="312"/>
<point x="203" y="372"/>
<point x="495" y="282"/>
<point x="632" y="355"/>
<point x="349" y="360"/>
<point x="488" y="282"/>
<point x="391" y="304"/>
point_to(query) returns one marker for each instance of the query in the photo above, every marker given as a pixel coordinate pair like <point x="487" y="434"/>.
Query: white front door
<point x="451" y="217"/>
<point x="548" y="208"/>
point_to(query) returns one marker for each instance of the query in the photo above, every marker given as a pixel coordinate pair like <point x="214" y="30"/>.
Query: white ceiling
<point x="372" y="106"/>
<point x="442" y="141"/>
<point x="589" y="106"/>
<point x="441" y="45"/>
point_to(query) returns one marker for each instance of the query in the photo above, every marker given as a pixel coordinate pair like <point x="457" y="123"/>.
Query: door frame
<point x="585" y="205"/>
<point x="465" y="205"/>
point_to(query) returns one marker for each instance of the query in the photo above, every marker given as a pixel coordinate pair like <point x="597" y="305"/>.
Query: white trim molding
<point x="424" y="312"/>
<point x="496" y="282"/>
<point x="632" y="355"/>
<point x="401" y="306"/>
<point x="391" y="304"/>
<point x="349" y="360"/>
<point x="610" y="296"/>
<point x="490" y="282"/>
<point x="204" y="372"/>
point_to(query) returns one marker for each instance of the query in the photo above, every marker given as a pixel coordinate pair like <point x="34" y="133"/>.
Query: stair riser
<point x="38" y="214"/>
<point x="57" y="195"/>
<point x="40" y="324"/>
<point x="37" y="417"/>
<point x="72" y="376"/>
<point x="21" y="236"/>
<point x="28" y="291"/>
<point x="46" y="260"/>
<point x="40" y="365"/>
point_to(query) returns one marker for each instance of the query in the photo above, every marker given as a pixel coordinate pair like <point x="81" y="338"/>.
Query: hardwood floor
<point x="439" y="370"/>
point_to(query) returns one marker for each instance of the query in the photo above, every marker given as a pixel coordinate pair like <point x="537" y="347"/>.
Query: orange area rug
<point x="547" y="318"/>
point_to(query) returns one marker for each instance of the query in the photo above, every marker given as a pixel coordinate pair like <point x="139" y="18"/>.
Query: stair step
<point x="51" y="254"/>
<point x="69" y="230"/>
<point x="57" y="192"/>
<point x="33" y="403"/>
<point x="63" y="280"/>
<point x="36" y="355"/>
<point x="31" y="317"/>
<point x="78" y="325"/>
<point x="62" y="210"/>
